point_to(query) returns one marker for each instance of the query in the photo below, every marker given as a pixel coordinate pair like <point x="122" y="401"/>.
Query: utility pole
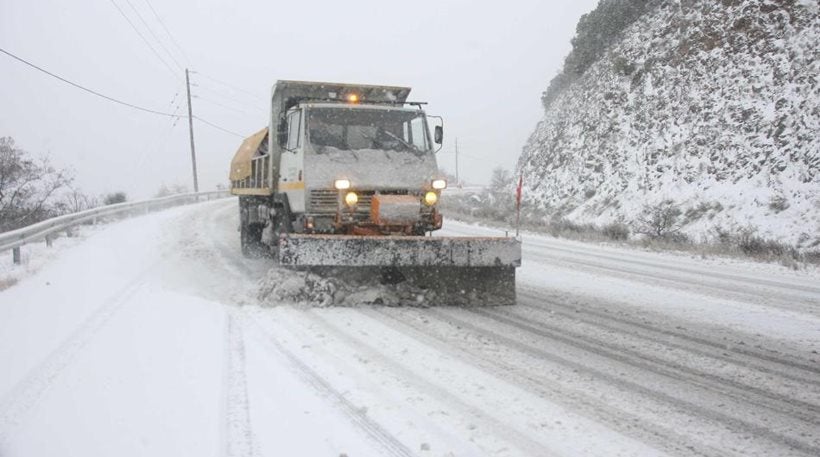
<point x="458" y="183"/>
<point x="191" y="130"/>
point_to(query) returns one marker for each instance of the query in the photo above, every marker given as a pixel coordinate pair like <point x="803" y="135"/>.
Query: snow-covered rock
<point x="713" y="104"/>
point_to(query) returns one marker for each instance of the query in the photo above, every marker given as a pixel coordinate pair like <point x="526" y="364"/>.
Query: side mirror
<point x="438" y="135"/>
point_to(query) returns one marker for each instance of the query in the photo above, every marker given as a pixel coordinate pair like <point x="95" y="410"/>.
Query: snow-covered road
<point x="146" y="340"/>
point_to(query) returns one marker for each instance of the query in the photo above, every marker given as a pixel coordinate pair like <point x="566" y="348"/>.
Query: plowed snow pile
<point x="338" y="287"/>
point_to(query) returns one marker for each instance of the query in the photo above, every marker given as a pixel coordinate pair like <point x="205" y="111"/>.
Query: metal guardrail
<point x="14" y="239"/>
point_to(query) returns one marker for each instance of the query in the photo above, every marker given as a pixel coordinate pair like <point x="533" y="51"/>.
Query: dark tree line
<point x="594" y="34"/>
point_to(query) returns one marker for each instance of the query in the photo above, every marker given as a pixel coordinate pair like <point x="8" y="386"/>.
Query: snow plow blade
<point x="459" y="270"/>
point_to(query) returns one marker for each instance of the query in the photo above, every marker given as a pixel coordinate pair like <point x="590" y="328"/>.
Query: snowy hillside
<point x="713" y="104"/>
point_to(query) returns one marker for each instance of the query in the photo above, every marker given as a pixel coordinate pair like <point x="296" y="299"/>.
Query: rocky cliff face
<point x="714" y="104"/>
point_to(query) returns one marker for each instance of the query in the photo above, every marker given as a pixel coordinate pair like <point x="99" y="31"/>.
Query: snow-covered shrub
<point x="616" y="231"/>
<point x="659" y="220"/>
<point x="779" y="203"/>
<point x="114" y="198"/>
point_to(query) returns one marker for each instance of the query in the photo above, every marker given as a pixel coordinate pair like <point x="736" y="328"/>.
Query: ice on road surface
<point x="149" y="338"/>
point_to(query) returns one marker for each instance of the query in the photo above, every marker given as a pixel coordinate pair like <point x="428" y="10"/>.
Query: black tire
<point x="251" y="240"/>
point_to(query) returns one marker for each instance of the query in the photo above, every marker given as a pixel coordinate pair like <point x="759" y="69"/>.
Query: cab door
<point x="291" y="175"/>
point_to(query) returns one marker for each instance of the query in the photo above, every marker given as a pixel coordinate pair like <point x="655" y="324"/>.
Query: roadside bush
<point x="754" y="245"/>
<point x="174" y="189"/>
<point x="660" y="220"/>
<point x="748" y="242"/>
<point x="114" y="198"/>
<point x="562" y="227"/>
<point x="779" y="203"/>
<point x="616" y="231"/>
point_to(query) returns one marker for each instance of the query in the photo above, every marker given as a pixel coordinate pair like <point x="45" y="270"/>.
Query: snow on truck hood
<point x="369" y="168"/>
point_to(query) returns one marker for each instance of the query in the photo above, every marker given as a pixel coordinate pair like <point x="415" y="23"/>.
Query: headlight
<point x="439" y="184"/>
<point x="342" y="184"/>
<point x="430" y="198"/>
<point x="351" y="198"/>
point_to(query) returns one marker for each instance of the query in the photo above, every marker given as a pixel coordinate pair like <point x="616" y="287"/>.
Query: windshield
<point x="351" y="129"/>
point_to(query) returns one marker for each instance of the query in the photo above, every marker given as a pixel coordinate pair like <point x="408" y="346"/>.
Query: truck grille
<point x="326" y="201"/>
<point x="323" y="201"/>
<point x="363" y="208"/>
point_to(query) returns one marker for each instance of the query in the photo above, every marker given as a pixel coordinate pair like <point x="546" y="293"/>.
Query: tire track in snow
<point x="25" y="395"/>
<point x="229" y="258"/>
<point x="770" y="297"/>
<point x="440" y="393"/>
<point x="239" y="440"/>
<point x="675" y="372"/>
<point x="797" y="371"/>
<point x="357" y="416"/>
<point x="650" y="432"/>
<point x="707" y="275"/>
<point x="737" y="424"/>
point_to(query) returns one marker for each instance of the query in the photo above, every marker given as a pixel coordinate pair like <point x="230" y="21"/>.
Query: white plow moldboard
<point x="404" y="251"/>
<point x="458" y="271"/>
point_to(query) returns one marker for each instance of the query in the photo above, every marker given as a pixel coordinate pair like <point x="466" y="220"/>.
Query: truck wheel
<point x="279" y="226"/>
<point x="251" y="240"/>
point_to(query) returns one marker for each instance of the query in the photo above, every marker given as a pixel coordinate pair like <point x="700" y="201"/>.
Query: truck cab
<point x="357" y="168"/>
<point x="338" y="159"/>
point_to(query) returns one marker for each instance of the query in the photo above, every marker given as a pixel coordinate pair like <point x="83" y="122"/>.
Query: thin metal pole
<point x="518" y="190"/>
<point x="458" y="183"/>
<point x="517" y="221"/>
<point x="191" y="130"/>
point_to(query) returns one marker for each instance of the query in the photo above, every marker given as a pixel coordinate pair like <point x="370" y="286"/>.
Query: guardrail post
<point x="15" y="254"/>
<point x="48" y="241"/>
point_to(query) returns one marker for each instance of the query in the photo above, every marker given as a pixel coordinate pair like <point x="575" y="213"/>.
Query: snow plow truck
<point x="346" y="176"/>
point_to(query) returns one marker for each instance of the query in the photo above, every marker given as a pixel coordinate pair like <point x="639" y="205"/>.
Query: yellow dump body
<point x="249" y="167"/>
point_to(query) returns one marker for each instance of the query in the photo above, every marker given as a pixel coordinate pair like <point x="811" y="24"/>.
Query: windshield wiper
<point x="408" y="145"/>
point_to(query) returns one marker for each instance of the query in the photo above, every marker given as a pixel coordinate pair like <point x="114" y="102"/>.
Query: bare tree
<point x="499" y="199"/>
<point x="659" y="220"/>
<point x="27" y="186"/>
<point x="75" y="201"/>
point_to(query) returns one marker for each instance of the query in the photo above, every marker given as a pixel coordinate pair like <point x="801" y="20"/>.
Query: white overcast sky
<point x="481" y="66"/>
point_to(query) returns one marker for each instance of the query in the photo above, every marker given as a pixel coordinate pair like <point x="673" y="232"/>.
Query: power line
<point x="91" y="91"/>
<point x="168" y="32"/>
<point x="151" y="31"/>
<point x="226" y="84"/>
<point x="229" y="99"/>
<point x="214" y="102"/>
<point x="218" y="127"/>
<point x="112" y="99"/>
<point x="176" y="120"/>
<point x="142" y="37"/>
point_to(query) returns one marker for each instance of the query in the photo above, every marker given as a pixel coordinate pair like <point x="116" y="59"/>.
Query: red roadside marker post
<point x="518" y="204"/>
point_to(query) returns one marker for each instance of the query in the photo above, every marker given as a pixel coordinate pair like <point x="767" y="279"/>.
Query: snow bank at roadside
<point x="36" y="255"/>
